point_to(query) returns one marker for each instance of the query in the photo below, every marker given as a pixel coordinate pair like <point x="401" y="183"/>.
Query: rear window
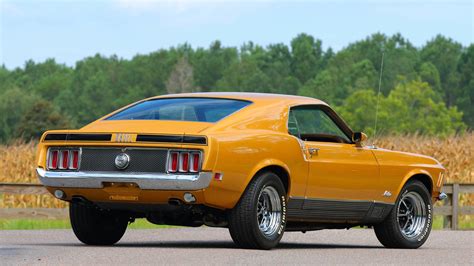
<point x="181" y="109"/>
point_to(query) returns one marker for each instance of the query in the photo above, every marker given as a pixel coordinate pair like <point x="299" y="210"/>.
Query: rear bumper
<point x="144" y="181"/>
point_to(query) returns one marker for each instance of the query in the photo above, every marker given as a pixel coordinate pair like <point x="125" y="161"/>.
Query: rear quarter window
<point x="181" y="109"/>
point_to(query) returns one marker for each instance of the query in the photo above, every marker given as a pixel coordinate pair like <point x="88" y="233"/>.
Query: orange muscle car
<point x="257" y="164"/>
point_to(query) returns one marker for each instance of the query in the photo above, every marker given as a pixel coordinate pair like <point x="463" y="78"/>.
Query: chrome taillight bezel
<point x="70" y="155"/>
<point x="179" y="170"/>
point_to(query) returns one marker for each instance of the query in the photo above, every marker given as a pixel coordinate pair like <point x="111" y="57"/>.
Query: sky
<point x="70" y="30"/>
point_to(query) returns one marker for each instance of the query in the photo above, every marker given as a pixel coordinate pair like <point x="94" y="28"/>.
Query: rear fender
<point x="266" y="163"/>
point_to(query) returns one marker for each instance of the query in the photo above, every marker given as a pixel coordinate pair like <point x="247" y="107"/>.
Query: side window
<point x="310" y="123"/>
<point x="293" y="125"/>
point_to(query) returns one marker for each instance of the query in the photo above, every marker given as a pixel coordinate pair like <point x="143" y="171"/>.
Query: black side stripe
<point x="171" y="138"/>
<point x="79" y="137"/>
<point x="301" y="209"/>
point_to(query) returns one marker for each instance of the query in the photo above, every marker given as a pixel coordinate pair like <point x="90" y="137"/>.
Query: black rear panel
<point x="141" y="160"/>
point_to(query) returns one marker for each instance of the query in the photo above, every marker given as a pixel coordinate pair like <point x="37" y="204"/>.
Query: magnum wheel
<point x="258" y="220"/>
<point x="409" y="223"/>
<point x="95" y="227"/>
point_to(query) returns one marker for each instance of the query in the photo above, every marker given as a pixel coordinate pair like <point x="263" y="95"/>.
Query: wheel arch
<point x="276" y="167"/>
<point x="421" y="175"/>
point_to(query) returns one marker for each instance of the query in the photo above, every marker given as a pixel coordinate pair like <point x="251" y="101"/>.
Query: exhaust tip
<point x="174" y="202"/>
<point x="59" y="194"/>
<point x="189" y="198"/>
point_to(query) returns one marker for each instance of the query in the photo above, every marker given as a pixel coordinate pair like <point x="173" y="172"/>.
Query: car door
<point x="342" y="176"/>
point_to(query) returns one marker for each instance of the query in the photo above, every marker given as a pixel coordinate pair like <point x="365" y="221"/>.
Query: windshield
<point x="181" y="109"/>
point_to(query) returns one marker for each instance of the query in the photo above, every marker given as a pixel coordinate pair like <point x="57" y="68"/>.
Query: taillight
<point x="195" y="160"/>
<point x="184" y="161"/>
<point x="63" y="159"/>
<point x="75" y="160"/>
<point x="53" y="159"/>
<point x="173" y="162"/>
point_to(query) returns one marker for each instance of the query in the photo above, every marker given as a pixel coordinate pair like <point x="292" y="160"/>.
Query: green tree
<point x="429" y="73"/>
<point x="411" y="107"/>
<point x="244" y="75"/>
<point x="400" y="59"/>
<point x="359" y="110"/>
<point x="323" y="87"/>
<point x="445" y="53"/>
<point x="307" y="57"/>
<point x="13" y="105"/>
<point x="209" y="65"/>
<point x="440" y="71"/>
<point x="41" y="116"/>
<point x="465" y="100"/>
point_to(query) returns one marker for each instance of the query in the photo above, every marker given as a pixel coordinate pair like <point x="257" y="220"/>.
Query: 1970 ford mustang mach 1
<point x="257" y="164"/>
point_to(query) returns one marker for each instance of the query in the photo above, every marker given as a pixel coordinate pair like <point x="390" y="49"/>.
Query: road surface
<point x="214" y="246"/>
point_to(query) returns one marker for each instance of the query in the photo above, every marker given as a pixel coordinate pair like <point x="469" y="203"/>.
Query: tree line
<point x="427" y="90"/>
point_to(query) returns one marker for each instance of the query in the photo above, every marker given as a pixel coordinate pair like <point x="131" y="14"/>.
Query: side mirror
<point x="359" y="137"/>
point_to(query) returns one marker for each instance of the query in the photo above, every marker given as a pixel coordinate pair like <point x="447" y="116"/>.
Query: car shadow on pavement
<point x="214" y="245"/>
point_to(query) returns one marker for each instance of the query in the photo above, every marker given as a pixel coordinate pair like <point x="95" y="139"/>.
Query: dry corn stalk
<point x="456" y="153"/>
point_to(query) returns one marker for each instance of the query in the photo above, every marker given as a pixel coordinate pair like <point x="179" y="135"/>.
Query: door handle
<point x="313" y="150"/>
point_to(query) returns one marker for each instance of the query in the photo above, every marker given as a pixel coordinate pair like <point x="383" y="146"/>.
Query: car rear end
<point x="152" y="152"/>
<point x="124" y="167"/>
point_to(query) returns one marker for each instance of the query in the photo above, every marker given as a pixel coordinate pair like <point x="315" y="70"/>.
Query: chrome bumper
<point x="144" y="181"/>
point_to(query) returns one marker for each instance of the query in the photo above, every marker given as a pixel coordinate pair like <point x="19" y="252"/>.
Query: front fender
<point x="412" y="173"/>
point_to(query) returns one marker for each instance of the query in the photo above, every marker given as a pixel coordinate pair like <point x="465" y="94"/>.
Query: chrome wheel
<point x="268" y="211"/>
<point x="412" y="214"/>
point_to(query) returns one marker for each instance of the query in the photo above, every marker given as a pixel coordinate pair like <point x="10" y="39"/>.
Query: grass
<point x="38" y="224"/>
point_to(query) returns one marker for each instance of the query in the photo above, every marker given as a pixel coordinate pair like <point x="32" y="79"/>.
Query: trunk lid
<point x="147" y="127"/>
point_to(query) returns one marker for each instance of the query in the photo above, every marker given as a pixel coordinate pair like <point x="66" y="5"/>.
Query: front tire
<point x="96" y="227"/>
<point x="258" y="220"/>
<point x="409" y="223"/>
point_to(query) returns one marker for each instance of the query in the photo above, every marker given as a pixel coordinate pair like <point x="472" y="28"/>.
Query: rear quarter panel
<point x="242" y="154"/>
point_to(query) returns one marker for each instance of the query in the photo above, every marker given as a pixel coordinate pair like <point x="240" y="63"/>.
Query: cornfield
<point x="456" y="153"/>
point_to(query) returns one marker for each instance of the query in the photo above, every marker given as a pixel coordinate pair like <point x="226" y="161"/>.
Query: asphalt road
<point x="214" y="246"/>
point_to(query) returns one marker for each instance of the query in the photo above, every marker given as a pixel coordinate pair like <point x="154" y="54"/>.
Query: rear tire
<point x="258" y="220"/>
<point x="96" y="227"/>
<point x="409" y="223"/>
